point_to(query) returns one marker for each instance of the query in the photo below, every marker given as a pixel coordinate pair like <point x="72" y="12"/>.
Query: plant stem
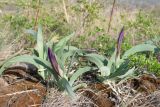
<point x="37" y="15"/>
<point x="65" y="11"/>
<point x="110" y="20"/>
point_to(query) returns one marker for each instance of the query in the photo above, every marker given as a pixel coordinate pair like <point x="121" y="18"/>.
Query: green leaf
<point x="138" y="48"/>
<point x="23" y="58"/>
<point x="130" y="72"/>
<point x="105" y="71"/>
<point x="66" y="54"/>
<point x="96" y="59"/>
<point x="81" y="85"/>
<point x="30" y="59"/>
<point x="33" y="33"/>
<point x="122" y="70"/>
<point x="111" y="62"/>
<point x="62" y="43"/>
<point x="100" y="61"/>
<point x="78" y="73"/>
<point x="71" y="63"/>
<point x="40" y="45"/>
<point x="71" y="48"/>
<point x="45" y="54"/>
<point x="59" y="50"/>
<point x="67" y="87"/>
<point x="71" y="53"/>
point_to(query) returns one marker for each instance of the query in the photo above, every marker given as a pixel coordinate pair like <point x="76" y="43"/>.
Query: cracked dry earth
<point x="21" y="86"/>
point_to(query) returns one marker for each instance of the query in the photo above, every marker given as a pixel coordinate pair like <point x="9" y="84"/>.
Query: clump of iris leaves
<point x="56" y="61"/>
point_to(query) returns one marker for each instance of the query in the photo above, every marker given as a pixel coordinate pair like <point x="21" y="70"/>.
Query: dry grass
<point x="127" y="96"/>
<point x="151" y="100"/>
<point x="55" y="98"/>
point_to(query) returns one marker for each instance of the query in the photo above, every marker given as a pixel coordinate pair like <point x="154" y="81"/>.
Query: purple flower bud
<point x="119" y="42"/>
<point x="53" y="61"/>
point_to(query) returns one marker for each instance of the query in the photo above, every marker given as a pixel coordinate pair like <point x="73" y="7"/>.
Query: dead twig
<point x="65" y="11"/>
<point x="110" y="20"/>
<point x="37" y="15"/>
<point x="20" y="92"/>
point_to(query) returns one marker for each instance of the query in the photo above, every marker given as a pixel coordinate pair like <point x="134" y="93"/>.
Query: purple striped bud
<point x="53" y="61"/>
<point x="119" y="42"/>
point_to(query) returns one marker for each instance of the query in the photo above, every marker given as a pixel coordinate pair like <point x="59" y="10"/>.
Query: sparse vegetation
<point x="77" y="54"/>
